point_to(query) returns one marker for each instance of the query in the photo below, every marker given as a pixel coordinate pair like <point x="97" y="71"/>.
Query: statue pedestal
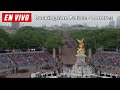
<point x="81" y="69"/>
<point x="80" y="59"/>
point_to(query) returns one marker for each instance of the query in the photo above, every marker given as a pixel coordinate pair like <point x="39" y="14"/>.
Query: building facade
<point x="118" y="22"/>
<point x="112" y="24"/>
<point x="15" y="25"/>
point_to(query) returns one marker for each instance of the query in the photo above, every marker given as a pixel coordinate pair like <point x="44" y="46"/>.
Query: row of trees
<point x="95" y="39"/>
<point x="29" y="36"/>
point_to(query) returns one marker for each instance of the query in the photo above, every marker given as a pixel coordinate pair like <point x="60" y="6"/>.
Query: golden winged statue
<point x="81" y="48"/>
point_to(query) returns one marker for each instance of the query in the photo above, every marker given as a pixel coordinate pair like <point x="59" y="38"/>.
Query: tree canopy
<point x="28" y="36"/>
<point x="99" y="38"/>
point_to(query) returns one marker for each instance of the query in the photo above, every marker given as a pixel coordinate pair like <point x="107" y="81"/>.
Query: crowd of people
<point x="25" y="59"/>
<point x="3" y="75"/>
<point x="44" y="75"/>
<point x="106" y="58"/>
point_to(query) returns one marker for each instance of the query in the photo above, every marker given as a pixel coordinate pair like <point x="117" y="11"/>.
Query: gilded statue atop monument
<point x="81" y="48"/>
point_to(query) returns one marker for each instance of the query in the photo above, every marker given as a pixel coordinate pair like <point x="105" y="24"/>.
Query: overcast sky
<point x="90" y="22"/>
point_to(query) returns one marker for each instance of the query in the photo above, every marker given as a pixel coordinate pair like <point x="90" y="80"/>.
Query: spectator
<point x="106" y="58"/>
<point x="25" y="59"/>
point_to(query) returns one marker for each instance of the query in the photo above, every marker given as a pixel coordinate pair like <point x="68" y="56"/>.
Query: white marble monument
<point x="81" y="69"/>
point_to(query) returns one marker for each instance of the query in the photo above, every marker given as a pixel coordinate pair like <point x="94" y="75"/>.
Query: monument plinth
<point x="80" y="58"/>
<point x="81" y="69"/>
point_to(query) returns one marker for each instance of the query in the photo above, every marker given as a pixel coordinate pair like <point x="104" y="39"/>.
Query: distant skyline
<point x="38" y="23"/>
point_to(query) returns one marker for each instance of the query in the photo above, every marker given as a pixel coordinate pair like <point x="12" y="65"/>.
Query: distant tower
<point x="112" y="24"/>
<point x="118" y="22"/>
<point x="85" y="24"/>
<point x="54" y="53"/>
<point x="15" y="25"/>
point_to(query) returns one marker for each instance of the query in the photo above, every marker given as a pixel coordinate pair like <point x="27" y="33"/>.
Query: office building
<point x="118" y="22"/>
<point x="15" y="25"/>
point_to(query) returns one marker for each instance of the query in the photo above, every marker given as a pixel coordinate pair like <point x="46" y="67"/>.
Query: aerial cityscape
<point x="61" y="48"/>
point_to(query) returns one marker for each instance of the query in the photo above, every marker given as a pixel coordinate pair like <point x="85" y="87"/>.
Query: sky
<point x="89" y="22"/>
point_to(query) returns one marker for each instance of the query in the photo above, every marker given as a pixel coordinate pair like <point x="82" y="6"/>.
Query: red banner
<point x="16" y="17"/>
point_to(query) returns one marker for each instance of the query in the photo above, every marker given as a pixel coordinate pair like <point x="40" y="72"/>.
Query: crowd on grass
<point x="106" y="58"/>
<point x="25" y="59"/>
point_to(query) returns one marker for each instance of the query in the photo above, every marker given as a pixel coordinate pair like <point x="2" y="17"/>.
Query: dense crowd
<point x="25" y="59"/>
<point x="106" y="58"/>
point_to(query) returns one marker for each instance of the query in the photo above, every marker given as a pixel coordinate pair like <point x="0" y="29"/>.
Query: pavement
<point x="68" y="51"/>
